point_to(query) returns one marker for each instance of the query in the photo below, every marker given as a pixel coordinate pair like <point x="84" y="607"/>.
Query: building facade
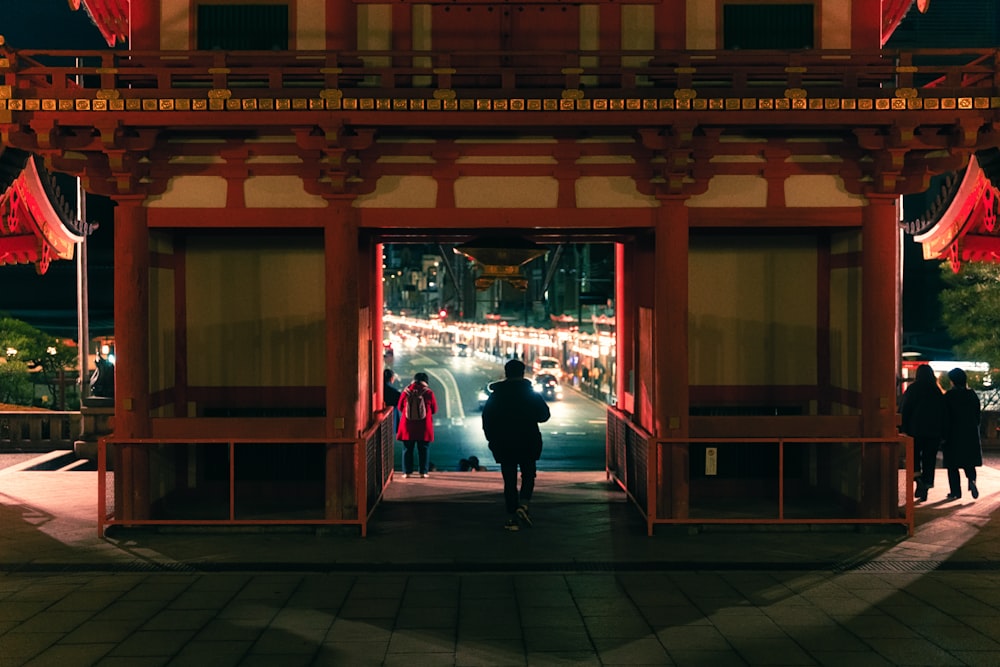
<point x="745" y="158"/>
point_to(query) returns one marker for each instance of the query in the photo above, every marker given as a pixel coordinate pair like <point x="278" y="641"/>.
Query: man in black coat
<point x="510" y="422"/>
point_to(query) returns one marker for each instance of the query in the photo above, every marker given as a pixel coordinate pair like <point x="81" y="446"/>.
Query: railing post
<point x="102" y="497"/>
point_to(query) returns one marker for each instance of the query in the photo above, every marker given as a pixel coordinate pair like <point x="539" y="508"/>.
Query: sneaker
<point x="953" y="496"/>
<point x="405" y="475"/>
<point x="523" y="516"/>
<point x="973" y="489"/>
<point x="424" y="475"/>
<point x="511" y="525"/>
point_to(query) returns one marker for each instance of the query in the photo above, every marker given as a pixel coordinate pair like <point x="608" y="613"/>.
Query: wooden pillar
<point x="132" y="420"/>
<point x="671" y="390"/>
<point x="878" y="349"/>
<point x="378" y="306"/>
<point x="342" y="357"/>
<point x="144" y="25"/>
<point x="625" y="309"/>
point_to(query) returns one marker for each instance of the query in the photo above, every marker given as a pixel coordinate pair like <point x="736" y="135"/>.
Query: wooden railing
<point x="796" y="480"/>
<point x="38" y="431"/>
<point x="230" y="482"/>
<point x="876" y="74"/>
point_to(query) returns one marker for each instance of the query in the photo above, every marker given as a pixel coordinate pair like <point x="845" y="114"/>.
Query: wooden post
<point x="343" y="364"/>
<point x="878" y="349"/>
<point x="132" y="404"/>
<point x="670" y="353"/>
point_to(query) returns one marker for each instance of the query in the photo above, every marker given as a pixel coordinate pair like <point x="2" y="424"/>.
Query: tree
<point x="970" y="309"/>
<point x="26" y="350"/>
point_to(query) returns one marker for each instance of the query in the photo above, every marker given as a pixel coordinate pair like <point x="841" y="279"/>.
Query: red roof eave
<point x="110" y="17"/>
<point x="31" y="231"/>
<point x="968" y="229"/>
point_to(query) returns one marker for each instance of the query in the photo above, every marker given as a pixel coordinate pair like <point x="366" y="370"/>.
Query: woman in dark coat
<point x="962" y="447"/>
<point x="923" y="419"/>
<point x="419" y="432"/>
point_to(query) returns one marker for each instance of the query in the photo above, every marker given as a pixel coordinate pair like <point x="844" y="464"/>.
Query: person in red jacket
<point x="417" y="406"/>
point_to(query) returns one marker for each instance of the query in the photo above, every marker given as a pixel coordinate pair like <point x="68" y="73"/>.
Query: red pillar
<point x="878" y="312"/>
<point x="343" y="363"/>
<point x="671" y="379"/>
<point x="624" y="329"/>
<point x="378" y="307"/>
<point x="144" y="25"/>
<point x="132" y="420"/>
<point x="878" y="353"/>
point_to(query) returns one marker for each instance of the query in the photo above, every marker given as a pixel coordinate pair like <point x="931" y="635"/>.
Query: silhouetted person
<point x="102" y="381"/>
<point x="510" y="421"/>
<point x="923" y="419"/>
<point x="962" y="447"/>
<point x="391" y="395"/>
<point x="417" y="406"/>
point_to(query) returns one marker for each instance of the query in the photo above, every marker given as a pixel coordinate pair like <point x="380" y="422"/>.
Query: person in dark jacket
<point x="391" y="395"/>
<point x="419" y="432"/>
<point x="923" y="419"/>
<point x="962" y="447"/>
<point x="510" y="422"/>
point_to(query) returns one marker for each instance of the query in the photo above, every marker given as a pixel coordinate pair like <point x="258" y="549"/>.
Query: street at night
<point x="574" y="438"/>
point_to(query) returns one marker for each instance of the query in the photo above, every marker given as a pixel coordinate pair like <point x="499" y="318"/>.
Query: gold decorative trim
<point x="106" y="70"/>
<point x="685" y="70"/>
<point x="906" y="69"/>
<point x="572" y="70"/>
<point x="796" y="70"/>
<point x="219" y="70"/>
<point x="4" y="63"/>
<point x="571" y="99"/>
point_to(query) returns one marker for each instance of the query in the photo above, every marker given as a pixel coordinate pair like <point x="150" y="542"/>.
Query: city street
<point x="573" y="438"/>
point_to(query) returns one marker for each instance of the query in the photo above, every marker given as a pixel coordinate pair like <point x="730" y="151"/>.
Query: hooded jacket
<point x="510" y="421"/>
<point x="417" y="430"/>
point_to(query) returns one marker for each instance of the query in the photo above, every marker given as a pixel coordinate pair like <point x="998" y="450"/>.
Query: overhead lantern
<point x="500" y="258"/>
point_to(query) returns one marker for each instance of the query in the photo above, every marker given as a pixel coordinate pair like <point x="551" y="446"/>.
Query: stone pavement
<point x="438" y="582"/>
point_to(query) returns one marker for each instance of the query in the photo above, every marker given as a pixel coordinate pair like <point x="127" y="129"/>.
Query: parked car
<point x="548" y="386"/>
<point x="460" y="349"/>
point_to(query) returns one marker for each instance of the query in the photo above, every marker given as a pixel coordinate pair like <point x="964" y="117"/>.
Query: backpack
<point x="416" y="405"/>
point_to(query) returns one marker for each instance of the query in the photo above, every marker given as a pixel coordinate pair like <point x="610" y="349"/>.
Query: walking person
<point x="962" y="447"/>
<point x="417" y="406"/>
<point x="510" y="422"/>
<point x="923" y="419"/>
